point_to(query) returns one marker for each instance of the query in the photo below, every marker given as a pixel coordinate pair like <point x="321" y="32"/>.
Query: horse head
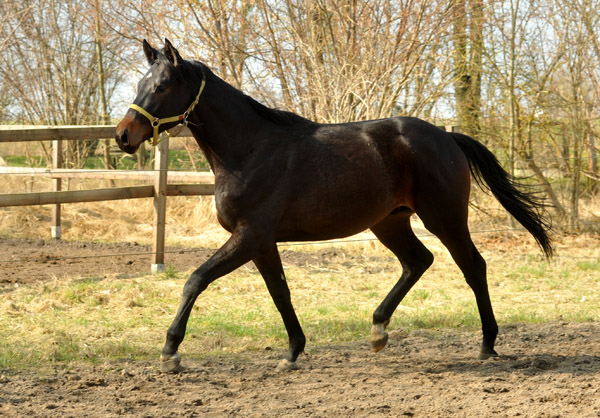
<point x="161" y="93"/>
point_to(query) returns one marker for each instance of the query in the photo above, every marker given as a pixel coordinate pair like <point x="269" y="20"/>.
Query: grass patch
<point x="588" y="266"/>
<point x="178" y="160"/>
<point x="23" y="161"/>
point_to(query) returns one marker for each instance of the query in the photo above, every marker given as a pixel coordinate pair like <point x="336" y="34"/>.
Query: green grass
<point x="178" y="160"/>
<point x="22" y="161"/>
<point x="588" y="265"/>
<point x="100" y="319"/>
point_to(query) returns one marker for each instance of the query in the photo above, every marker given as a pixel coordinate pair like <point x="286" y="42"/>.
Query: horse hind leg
<point x="450" y="226"/>
<point x="396" y="234"/>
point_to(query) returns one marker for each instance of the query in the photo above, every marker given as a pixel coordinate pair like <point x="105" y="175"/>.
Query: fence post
<point x="57" y="162"/>
<point x="161" y="162"/>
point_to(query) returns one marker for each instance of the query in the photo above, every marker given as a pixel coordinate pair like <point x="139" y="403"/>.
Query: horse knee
<point x="194" y="285"/>
<point x="414" y="265"/>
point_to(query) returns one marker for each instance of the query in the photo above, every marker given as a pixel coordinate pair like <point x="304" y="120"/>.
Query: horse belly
<point x="335" y="212"/>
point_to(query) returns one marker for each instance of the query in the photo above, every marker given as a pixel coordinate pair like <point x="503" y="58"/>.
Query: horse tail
<point x="525" y="206"/>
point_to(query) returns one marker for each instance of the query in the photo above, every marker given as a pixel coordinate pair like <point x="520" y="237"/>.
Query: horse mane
<point x="194" y="70"/>
<point x="280" y="117"/>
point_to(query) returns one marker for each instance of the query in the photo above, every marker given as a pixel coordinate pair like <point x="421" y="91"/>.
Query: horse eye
<point x="159" y="89"/>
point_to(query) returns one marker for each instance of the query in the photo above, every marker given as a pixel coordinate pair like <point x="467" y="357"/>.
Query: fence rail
<point x="62" y="173"/>
<point x="98" y="195"/>
<point x="202" y="183"/>
<point x="55" y="133"/>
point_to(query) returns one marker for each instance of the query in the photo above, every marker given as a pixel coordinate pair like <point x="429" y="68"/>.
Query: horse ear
<point x="150" y="52"/>
<point x="171" y="53"/>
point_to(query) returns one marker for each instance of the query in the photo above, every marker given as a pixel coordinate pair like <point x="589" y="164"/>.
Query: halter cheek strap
<point x="156" y="122"/>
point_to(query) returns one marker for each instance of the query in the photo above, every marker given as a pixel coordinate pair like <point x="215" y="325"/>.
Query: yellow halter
<point x="156" y="122"/>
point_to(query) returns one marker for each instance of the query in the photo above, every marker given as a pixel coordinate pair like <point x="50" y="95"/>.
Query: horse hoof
<point x="486" y="355"/>
<point x="286" y="366"/>
<point x="377" y="345"/>
<point x="171" y="364"/>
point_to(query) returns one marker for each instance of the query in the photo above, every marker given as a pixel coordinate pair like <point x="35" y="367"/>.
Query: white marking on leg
<point x="378" y="332"/>
<point x="286" y="365"/>
<point x="170" y="364"/>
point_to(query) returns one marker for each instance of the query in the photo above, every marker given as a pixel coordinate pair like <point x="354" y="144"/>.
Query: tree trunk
<point x="592" y="162"/>
<point x="468" y="52"/>
<point x="105" y="116"/>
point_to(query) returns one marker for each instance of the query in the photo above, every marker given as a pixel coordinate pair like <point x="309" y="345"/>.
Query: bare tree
<point x="10" y="21"/>
<point x="330" y="60"/>
<point x="520" y="74"/>
<point x="575" y="94"/>
<point x="337" y="60"/>
<point x="522" y="53"/>
<point x="591" y="19"/>
<point x="52" y="72"/>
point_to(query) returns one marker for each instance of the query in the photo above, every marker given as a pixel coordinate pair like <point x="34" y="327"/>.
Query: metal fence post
<point x="57" y="162"/>
<point x="161" y="163"/>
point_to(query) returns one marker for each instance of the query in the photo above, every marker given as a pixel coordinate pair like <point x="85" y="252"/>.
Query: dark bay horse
<point x="280" y="177"/>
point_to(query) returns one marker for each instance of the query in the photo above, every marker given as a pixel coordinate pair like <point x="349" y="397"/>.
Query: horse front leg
<point x="269" y="265"/>
<point x="238" y="250"/>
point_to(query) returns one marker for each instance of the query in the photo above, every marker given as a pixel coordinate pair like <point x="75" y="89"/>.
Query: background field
<point x="87" y="343"/>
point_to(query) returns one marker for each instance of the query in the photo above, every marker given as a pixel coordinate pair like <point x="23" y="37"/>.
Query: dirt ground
<point x="25" y="260"/>
<point x="544" y="371"/>
<point x="549" y="370"/>
<point x="28" y="260"/>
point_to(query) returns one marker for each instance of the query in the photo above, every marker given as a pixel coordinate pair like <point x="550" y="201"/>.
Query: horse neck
<point x="229" y="129"/>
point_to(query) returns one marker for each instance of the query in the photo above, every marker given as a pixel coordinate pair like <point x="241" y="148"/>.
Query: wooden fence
<point x="201" y="183"/>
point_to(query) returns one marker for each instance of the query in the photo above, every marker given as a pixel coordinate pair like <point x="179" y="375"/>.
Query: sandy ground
<point x="549" y="370"/>
<point x="30" y="260"/>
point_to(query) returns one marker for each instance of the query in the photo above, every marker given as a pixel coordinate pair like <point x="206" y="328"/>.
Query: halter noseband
<point x="156" y="122"/>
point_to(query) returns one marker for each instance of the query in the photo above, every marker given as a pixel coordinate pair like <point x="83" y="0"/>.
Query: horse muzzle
<point x="123" y="141"/>
<point x="128" y="136"/>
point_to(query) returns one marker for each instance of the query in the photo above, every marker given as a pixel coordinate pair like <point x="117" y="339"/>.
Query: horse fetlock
<point x="379" y="337"/>
<point x="487" y="352"/>
<point x="485" y="356"/>
<point x="170" y="364"/>
<point x="285" y="366"/>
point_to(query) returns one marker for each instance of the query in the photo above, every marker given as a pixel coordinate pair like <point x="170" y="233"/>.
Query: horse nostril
<point x="125" y="138"/>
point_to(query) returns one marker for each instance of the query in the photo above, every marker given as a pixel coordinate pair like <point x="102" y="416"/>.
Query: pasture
<point x="83" y="322"/>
